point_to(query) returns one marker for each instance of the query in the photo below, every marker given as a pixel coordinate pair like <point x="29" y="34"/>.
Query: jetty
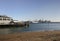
<point x="13" y="25"/>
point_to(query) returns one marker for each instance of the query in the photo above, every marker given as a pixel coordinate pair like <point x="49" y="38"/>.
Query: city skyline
<point x="31" y="9"/>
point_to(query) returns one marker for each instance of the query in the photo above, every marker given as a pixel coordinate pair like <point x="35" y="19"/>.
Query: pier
<point x="13" y="25"/>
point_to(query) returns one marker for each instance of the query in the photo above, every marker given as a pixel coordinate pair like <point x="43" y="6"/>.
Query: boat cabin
<point x="5" y="19"/>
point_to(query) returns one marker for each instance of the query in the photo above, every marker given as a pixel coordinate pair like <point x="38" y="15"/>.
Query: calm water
<point x="32" y="27"/>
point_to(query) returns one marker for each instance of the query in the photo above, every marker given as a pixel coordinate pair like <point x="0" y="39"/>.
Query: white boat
<point x="5" y="19"/>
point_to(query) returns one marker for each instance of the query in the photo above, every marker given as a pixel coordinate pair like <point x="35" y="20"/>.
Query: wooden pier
<point x="13" y="25"/>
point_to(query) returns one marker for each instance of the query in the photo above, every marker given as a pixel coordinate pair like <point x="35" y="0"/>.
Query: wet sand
<point x="32" y="36"/>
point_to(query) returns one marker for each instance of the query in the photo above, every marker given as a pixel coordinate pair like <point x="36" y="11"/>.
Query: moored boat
<point x="6" y="21"/>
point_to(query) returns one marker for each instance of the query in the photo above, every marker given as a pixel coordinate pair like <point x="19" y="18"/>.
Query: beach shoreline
<point x="32" y="36"/>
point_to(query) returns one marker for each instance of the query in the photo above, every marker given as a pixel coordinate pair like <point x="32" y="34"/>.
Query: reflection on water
<point x="13" y="30"/>
<point x="4" y="31"/>
<point x="32" y="27"/>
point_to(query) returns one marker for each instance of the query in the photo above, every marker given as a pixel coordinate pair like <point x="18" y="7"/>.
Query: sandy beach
<point x="32" y="36"/>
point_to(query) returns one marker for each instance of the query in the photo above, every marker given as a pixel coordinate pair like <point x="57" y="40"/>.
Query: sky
<point x="31" y="9"/>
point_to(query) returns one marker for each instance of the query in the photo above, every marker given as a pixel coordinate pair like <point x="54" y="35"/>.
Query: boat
<point x="6" y="21"/>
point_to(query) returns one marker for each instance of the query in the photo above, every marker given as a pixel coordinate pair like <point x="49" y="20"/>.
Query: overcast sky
<point x="31" y="9"/>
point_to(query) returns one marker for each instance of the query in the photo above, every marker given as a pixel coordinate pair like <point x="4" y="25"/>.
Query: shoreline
<point x="32" y="36"/>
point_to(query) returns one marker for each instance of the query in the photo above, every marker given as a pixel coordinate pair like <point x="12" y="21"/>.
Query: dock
<point x="13" y="25"/>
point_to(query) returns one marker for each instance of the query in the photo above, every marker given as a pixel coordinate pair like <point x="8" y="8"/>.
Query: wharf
<point x="13" y="25"/>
